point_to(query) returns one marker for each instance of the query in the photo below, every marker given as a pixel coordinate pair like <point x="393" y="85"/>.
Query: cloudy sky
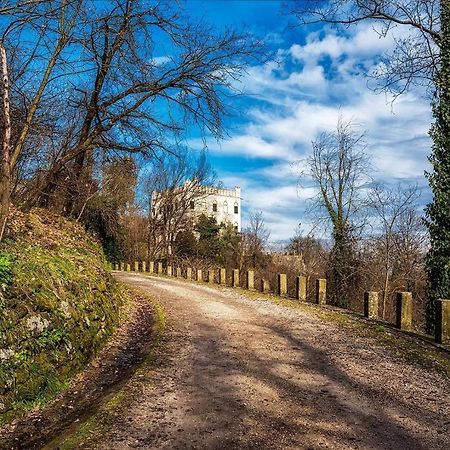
<point x="317" y="74"/>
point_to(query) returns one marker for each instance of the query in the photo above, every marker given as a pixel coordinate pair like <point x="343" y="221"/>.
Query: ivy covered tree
<point x="438" y="211"/>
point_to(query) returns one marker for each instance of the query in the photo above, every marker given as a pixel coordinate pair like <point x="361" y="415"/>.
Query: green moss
<point x="74" y="440"/>
<point x="58" y="306"/>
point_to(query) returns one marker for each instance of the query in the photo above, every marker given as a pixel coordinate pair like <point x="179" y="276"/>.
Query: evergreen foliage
<point x="208" y="245"/>
<point x="438" y="211"/>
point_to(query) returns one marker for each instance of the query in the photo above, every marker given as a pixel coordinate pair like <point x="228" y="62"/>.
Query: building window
<point x="225" y="207"/>
<point x="192" y="204"/>
<point x="235" y="227"/>
<point x="236" y="208"/>
<point x="214" y="207"/>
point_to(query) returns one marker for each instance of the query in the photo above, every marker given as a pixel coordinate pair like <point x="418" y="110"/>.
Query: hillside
<point x="58" y="305"/>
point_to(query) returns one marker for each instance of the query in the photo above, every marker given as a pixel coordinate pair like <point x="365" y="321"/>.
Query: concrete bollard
<point x="122" y="266"/>
<point x="151" y="267"/>
<point x="321" y="291"/>
<point x="199" y="275"/>
<point x="404" y="312"/>
<point x="235" y="278"/>
<point x="442" y="326"/>
<point x="371" y="305"/>
<point x="169" y="271"/>
<point x="189" y="273"/>
<point x="282" y="284"/>
<point x="211" y="273"/>
<point x="160" y="268"/>
<point x="265" y="286"/>
<point x="128" y="267"/>
<point x="178" y="272"/>
<point x="116" y="266"/>
<point x="300" y="288"/>
<point x="144" y="266"/>
<point x="250" y="280"/>
<point x="223" y="276"/>
<point x="136" y="266"/>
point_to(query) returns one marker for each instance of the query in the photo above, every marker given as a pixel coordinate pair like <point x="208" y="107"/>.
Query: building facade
<point x="223" y="204"/>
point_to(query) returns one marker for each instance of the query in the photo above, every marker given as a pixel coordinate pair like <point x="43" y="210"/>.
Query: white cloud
<point x="300" y="96"/>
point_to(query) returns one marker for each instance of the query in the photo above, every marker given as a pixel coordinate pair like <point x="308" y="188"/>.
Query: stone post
<point x="250" y="280"/>
<point x="265" y="287"/>
<point x="211" y="273"/>
<point x="116" y="266"/>
<point x="178" y="272"/>
<point x="169" y="271"/>
<point x="151" y="267"/>
<point x="199" y="275"/>
<point x="404" y="310"/>
<point x="136" y="266"/>
<point x="122" y="265"/>
<point x="223" y="276"/>
<point x="189" y="273"/>
<point x="144" y="266"/>
<point x="321" y="291"/>
<point x="300" y="288"/>
<point x="128" y="267"/>
<point x="282" y="284"/>
<point x="160" y="268"/>
<point x="371" y="305"/>
<point x="442" y="325"/>
<point x="235" y="278"/>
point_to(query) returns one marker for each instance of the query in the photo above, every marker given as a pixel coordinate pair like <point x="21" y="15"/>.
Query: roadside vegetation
<point x="58" y="306"/>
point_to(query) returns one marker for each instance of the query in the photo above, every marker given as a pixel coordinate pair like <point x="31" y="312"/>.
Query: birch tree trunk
<point x="5" y="179"/>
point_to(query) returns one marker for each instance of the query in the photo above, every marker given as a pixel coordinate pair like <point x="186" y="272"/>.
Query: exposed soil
<point x="116" y="362"/>
<point x="236" y="373"/>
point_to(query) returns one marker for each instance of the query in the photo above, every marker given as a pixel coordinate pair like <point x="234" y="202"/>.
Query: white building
<point x="223" y="204"/>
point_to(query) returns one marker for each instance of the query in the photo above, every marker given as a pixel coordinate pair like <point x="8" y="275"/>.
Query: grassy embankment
<point x="58" y="305"/>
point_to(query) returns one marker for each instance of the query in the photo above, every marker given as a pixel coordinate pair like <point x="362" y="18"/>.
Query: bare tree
<point x="135" y="100"/>
<point x="130" y="77"/>
<point x="393" y="208"/>
<point x="415" y="58"/>
<point x="339" y="168"/>
<point x="175" y="183"/>
<point x="255" y="238"/>
<point x="15" y="6"/>
<point x="61" y="21"/>
<point x="311" y="252"/>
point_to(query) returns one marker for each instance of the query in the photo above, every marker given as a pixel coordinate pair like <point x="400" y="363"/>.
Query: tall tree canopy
<point x="99" y="78"/>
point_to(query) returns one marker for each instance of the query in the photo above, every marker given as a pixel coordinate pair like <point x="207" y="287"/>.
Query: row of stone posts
<point x="281" y="289"/>
<point x="404" y="314"/>
<point x="404" y="303"/>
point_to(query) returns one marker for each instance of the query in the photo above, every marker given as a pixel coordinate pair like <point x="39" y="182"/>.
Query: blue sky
<point x="318" y="74"/>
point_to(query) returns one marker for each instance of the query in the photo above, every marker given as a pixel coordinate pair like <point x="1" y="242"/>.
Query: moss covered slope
<point x="58" y="304"/>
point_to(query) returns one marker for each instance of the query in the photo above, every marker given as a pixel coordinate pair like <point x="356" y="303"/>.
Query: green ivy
<point x="438" y="211"/>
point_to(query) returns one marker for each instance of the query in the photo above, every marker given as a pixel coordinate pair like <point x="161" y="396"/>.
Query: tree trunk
<point x="5" y="182"/>
<point x="385" y="292"/>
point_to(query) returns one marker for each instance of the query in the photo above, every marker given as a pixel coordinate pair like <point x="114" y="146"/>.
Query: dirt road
<point x="238" y="373"/>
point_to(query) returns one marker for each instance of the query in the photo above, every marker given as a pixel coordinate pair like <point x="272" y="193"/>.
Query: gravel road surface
<point x="240" y="373"/>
